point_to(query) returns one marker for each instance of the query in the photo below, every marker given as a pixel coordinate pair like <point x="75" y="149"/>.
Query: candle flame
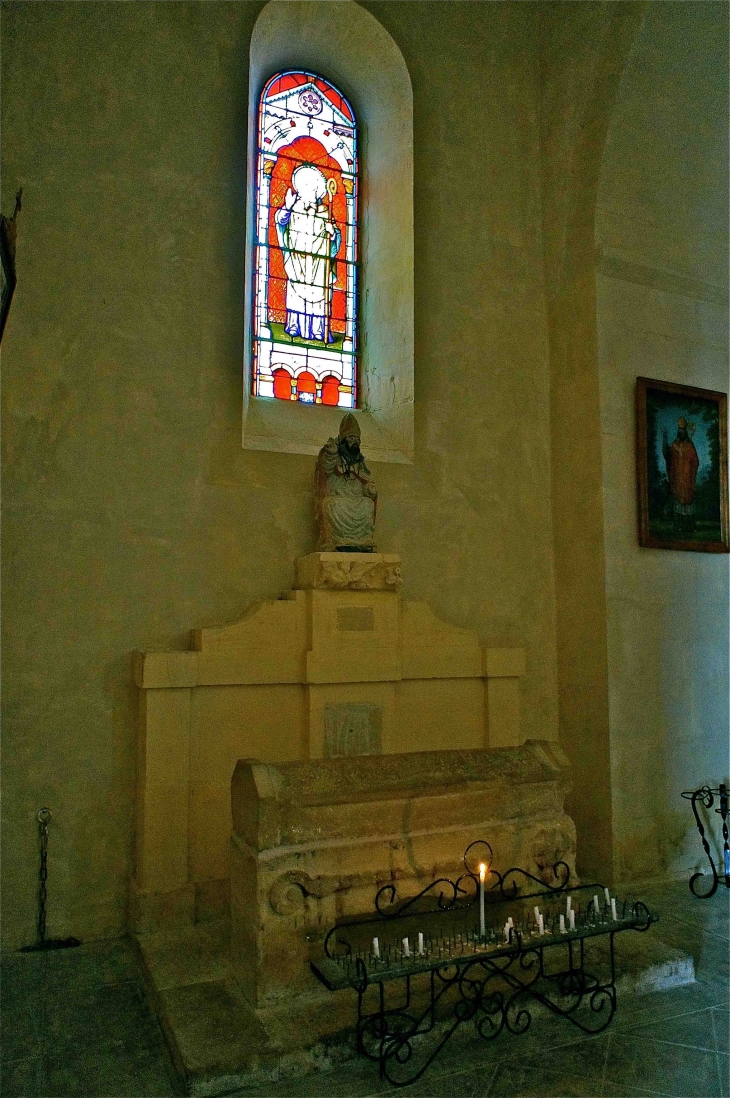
<point x="482" y="871"/>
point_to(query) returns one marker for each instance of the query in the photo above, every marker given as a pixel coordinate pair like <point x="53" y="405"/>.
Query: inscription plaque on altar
<point x="352" y="729"/>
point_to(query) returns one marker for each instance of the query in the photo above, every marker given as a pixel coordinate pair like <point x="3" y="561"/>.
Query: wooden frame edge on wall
<point x="9" y="279"/>
<point x="667" y="521"/>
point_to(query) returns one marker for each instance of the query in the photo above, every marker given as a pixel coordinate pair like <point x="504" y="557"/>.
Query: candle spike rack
<point x="421" y="966"/>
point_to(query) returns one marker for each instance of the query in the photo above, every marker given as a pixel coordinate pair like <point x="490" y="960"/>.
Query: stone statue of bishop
<point x="345" y="494"/>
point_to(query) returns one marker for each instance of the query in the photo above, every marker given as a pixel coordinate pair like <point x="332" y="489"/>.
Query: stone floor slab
<point x="691" y="1031"/>
<point x="93" y="1073"/>
<point x="654" y="1065"/>
<point x="21" y="1078"/>
<point x="721" y="1025"/>
<point x="723" y="1074"/>
<point x="77" y="1023"/>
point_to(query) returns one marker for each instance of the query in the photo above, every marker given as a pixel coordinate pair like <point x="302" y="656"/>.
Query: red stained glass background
<point x="305" y="150"/>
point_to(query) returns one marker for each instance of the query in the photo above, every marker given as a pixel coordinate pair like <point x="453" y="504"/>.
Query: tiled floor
<point x="77" y="1022"/>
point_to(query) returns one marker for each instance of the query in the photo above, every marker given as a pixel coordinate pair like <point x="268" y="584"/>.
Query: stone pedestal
<point x="349" y="571"/>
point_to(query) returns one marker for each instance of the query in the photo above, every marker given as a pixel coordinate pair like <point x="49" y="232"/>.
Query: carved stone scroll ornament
<point x="288" y="893"/>
<point x="550" y="846"/>
<point x="360" y="576"/>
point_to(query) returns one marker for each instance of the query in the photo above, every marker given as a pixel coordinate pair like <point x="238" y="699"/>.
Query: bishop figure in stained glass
<point x="309" y="240"/>
<point x="305" y="269"/>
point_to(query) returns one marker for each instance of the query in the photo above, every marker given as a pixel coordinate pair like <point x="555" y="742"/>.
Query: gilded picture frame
<point x="681" y="467"/>
<point x="7" y="272"/>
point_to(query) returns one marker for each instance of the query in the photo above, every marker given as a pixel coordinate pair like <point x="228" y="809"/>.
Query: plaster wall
<point x="132" y="514"/>
<point x="662" y="236"/>
<point x="583" y="48"/>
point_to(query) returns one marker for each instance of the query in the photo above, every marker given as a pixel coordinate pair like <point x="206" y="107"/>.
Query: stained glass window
<point x="305" y="303"/>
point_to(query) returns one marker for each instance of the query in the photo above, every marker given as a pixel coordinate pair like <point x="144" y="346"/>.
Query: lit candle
<point x="571" y="919"/>
<point x="482" y="874"/>
<point x="562" y="924"/>
<point x="420" y="944"/>
<point x="406" y="948"/>
<point x="614" y="916"/>
<point x="376" y="949"/>
<point x="607" y="894"/>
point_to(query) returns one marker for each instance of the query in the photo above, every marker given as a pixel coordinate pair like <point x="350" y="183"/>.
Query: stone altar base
<point x="342" y="666"/>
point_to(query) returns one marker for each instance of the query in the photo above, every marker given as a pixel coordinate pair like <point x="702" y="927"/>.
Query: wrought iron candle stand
<point x="706" y="797"/>
<point x="449" y="972"/>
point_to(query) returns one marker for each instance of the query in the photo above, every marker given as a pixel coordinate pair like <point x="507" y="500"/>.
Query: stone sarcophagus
<point x="313" y="841"/>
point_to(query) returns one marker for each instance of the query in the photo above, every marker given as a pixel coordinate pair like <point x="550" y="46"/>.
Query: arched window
<point x="305" y="308"/>
<point x="353" y="65"/>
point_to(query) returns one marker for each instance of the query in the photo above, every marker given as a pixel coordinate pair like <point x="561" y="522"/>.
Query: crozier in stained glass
<point x="305" y="303"/>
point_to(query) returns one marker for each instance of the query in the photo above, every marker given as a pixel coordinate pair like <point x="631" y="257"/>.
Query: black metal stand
<point x="706" y="796"/>
<point x="487" y="974"/>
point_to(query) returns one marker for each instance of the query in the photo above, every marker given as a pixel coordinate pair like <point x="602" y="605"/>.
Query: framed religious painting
<point x="681" y="467"/>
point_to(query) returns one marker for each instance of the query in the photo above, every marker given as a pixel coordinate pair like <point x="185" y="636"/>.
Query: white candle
<point x="406" y="948"/>
<point x="507" y="929"/>
<point x="376" y="949"/>
<point x="595" y="904"/>
<point x="614" y="916"/>
<point x="540" y="924"/>
<point x="537" y="913"/>
<point x="607" y="894"/>
<point x="420" y="943"/>
<point x="568" y="905"/>
<point x="562" y="924"/>
<point x="571" y="919"/>
<point x="482" y="874"/>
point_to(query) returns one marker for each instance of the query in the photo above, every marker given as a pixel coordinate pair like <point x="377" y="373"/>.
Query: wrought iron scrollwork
<point x="706" y="797"/>
<point x="451" y="893"/>
<point x="461" y="975"/>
